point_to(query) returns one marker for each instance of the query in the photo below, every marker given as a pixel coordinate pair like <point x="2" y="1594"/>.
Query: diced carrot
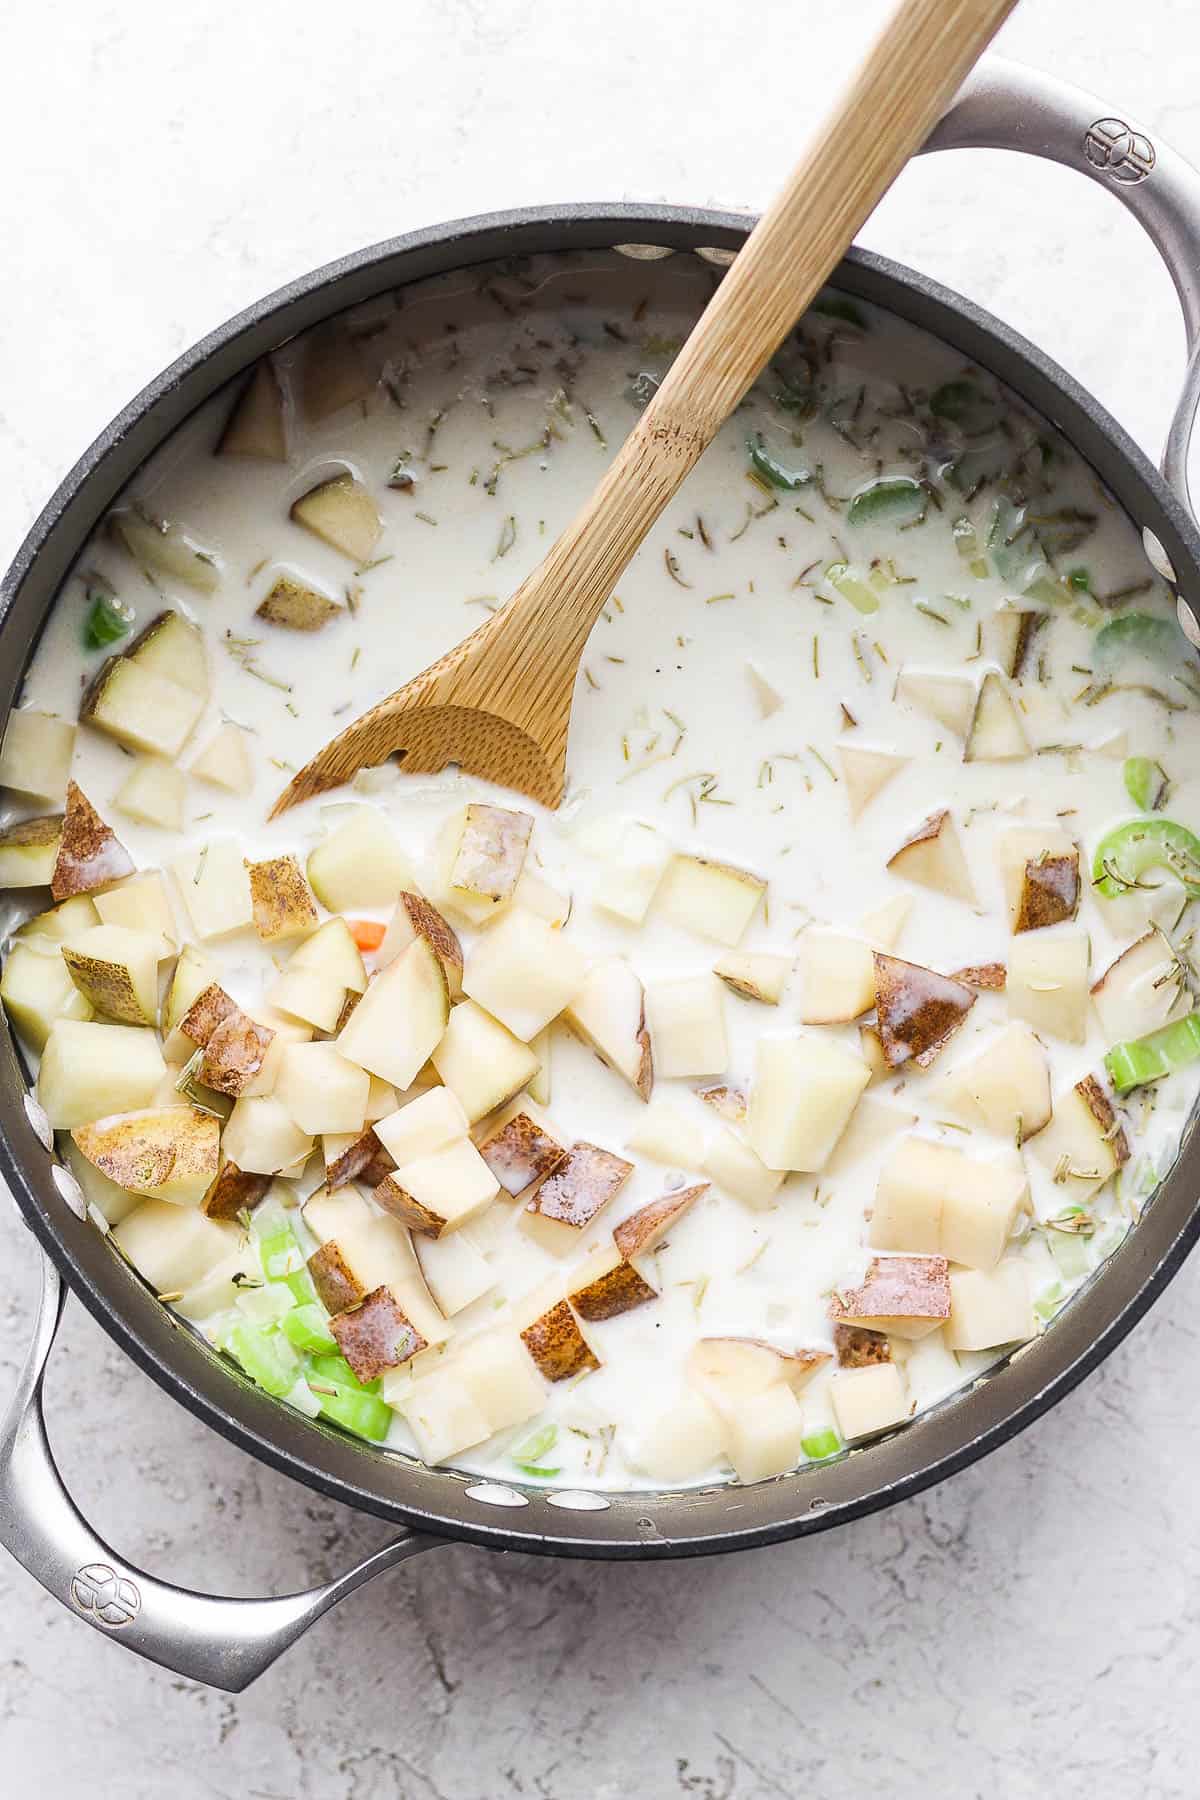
<point x="366" y="933"/>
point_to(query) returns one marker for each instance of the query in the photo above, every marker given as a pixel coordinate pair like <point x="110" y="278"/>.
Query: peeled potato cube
<point x="36" y="754"/>
<point x="479" y="1059"/>
<point x="1144" y="989"/>
<point x="443" y="1416"/>
<point x="117" y="972"/>
<point x="874" y="1122"/>
<point x="332" y="953"/>
<point x="414" y="917"/>
<point x="866" y="773"/>
<point x="172" y="1247"/>
<point x="431" y="1122"/>
<point x="682" y="1443"/>
<point x="310" y="996"/>
<point x="837" y="977"/>
<point x="1048" y="982"/>
<point x="59" y="922"/>
<point x="29" y="852"/>
<point x="686" y="1020"/>
<point x="883" y="924"/>
<point x="496" y="1372"/>
<point x="755" y="974"/>
<point x="173" y="647"/>
<point x="215" y="888"/>
<point x="225" y="761"/>
<point x="737" y="1170"/>
<point x="1084" y="1143"/>
<point x="255" y="426"/>
<point x="439" y="1192"/>
<point x="455" y="1272"/>
<point x="948" y="699"/>
<point x="907" y="1213"/>
<point x="667" y="1134"/>
<point x="360" y="863"/>
<point x="89" y="1070"/>
<point x="869" y="1400"/>
<point x="712" y="899"/>
<point x="342" y="514"/>
<point x="113" y="1203"/>
<point x="804" y="1091"/>
<point x="608" y="1011"/>
<point x="523" y="972"/>
<point x="170" y="1153"/>
<point x="991" y="1308"/>
<point x="628" y="882"/>
<point x="141" y="903"/>
<point x="139" y="708"/>
<point x="164" y="550"/>
<point x="153" y="794"/>
<point x="933" y="858"/>
<point x="996" y="733"/>
<point x="764" y="1437"/>
<point x="320" y="1089"/>
<point x="37" y="988"/>
<point x="401" y="1018"/>
<point x="1006" y="1087"/>
<point x="262" y="1138"/>
<point x="979" y="1214"/>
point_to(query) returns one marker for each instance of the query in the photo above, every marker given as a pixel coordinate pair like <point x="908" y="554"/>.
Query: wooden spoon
<point x="499" y="703"/>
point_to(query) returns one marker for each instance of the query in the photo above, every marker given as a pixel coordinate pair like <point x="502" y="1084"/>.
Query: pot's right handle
<point x="1006" y="106"/>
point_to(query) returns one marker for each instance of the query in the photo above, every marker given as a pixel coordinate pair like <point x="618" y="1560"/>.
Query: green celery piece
<point x="1050" y="1300"/>
<point x="303" y="1291"/>
<point x="894" y="499"/>
<point x="307" y="1327"/>
<point x="836" y="306"/>
<point x="772" y="470"/>
<point x="267" y="1358"/>
<point x="1158" y="640"/>
<point x="851" y="587"/>
<point x="337" y="1369"/>
<point x="966" y="542"/>
<point x="535" y="1447"/>
<point x="820" y="1444"/>
<point x="363" y="1414"/>
<point x="1144" y="781"/>
<point x="1124" y="855"/>
<point x="1080" y="579"/>
<point x="965" y="404"/>
<point x="1070" y="1252"/>
<point x="1017" y="554"/>
<point x="280" y="1252"/>
<point x="1150" y="1058"/>
<point x="535" y="1470"/>
<point x="108" y="620"/>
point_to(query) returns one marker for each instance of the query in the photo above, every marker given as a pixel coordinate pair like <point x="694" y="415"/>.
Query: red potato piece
<point x="988" y="977"/>
<point x="376" y="1335"/>
<point x="897" y="1287"/>
<point x="1049" y="892"/>
<point x="234" y="1192"/>
<point x="90" y="854"/>
<point x="365" y="1161"/>
<point x="234" y="1054"/>
<point x="645" y="1229"/>
<point x="585" y="1183"/>
<point x="856" y="1347"/>
<point x="557" y="1345"/>
<point x="917" y="1010"/>
<point x="520" y="1153"/>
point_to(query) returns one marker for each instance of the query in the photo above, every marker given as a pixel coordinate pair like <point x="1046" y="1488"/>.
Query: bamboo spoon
<point x="499" y="703"/>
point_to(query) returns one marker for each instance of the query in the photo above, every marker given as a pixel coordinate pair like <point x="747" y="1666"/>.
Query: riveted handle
<point x="221" y="1641"/>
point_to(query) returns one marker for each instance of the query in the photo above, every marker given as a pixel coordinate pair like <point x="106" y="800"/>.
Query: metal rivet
<point x="491" y="1493"/>
<point x="1157" y="555"/>
<point x="721" y="258"/>
<point x="643" y="252"/>
<point x="35" y="1112"/>
<point x="574" y="1500"/>
<point x="70" y="1190"/>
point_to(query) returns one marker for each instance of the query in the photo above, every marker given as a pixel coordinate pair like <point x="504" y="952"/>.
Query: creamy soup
<point x="803" y="1064"/>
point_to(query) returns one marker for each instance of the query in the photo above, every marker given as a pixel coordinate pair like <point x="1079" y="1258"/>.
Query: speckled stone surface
<point x="1029" y="1629"/>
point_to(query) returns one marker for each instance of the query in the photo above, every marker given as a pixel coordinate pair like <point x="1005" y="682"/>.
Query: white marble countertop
<point x="1027" y="1628"/>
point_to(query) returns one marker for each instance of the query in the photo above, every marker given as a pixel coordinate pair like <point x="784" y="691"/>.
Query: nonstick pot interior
<point x="695" y="1521"/>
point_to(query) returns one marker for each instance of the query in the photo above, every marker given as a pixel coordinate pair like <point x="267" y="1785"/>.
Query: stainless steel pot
<point x="227" y="1642"/>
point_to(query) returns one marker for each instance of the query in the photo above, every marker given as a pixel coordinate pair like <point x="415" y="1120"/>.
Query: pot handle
<point x="1006" y="106"/>
<point x="221" y="1641"/>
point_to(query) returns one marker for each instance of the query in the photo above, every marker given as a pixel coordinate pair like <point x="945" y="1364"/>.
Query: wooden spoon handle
<point x="899" y="93"/>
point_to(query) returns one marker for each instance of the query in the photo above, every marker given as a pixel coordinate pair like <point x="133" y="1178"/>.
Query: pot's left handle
<point x="223" y="1642"/>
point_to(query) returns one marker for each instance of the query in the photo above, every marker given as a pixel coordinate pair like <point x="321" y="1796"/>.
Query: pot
<point x="227" y="1642"/>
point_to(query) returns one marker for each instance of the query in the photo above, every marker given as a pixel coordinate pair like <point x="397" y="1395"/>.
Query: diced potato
<point x="682" y="1443"/>
<point x="153" y="794"/>
<point x="139" y="708"/>
<point x="727" y="1101"/>
<point x="164" y="550"/>
<point x="262" y="1138"/>
<point x="869" y="1400"/>
<point x="455" y="1271"/>
<point x="360" y="863"/>
<point x="903" y="1296"/>
<point x="1084" y="1142"/>
<point x="173" y="1247"/>
<point x="917" y="1010"/>
<point x="934" y="1200"/>
<point x="874" y="1123"/>
<point x="376" y="1334"/>
<point x="215" y="888"/>
<point x="644" y="1230"/>
<point x="113" y="1203"/>
<point x="837" y="977"/>
<point x="193" y="972"/>
<point x="333" y="372"/>
<point x="221" y="1288"/>
<point x="768" y="699"/>
<point x="686" y="1020"/>
<point x="280" y="899"/>
<point x="413" y="918"/>
<point x="401" y="1019"/>
<point x="369" y="1253"/>
<point x="755" y="974"/>
<point x="1144" y="989"/>
<point x="440" y="1192"/>
<point x="256" y="425"/>
<point x="933" y="858"/>
<point x="89" y="1070"/>
<point x="36" y="754"/>
<point x="332" y="953"/>
<point x="116" y="970"/>
<point x="1048" y="982"/>
<point x="479" y="1060"/>
<point x="1006" y="1087"/>
<point x="667" y="1134"/>
<point x="605" y="1285"/>
<point x="737" y="1170"/>
<point x="36" y="988"/>
<point x="29" y="852"/>
<point x="170" y="1153"/>
<point x="996" y="733"/>
<point x="628" y="882"/>
<point x="295" y="606"/>
<point x="483" y="851"/>
<point x="557" y="1345"/>
<point x="342" y="514"/>
<point x="234" y="1192"/>
<point x="1021" y="845"/>
<point x="729" y="1371"/>
<point x="330" y="1215"/>
<point x="538" y="897"/>
<point x="571" y="1197"/>
<point x="321" y="1090"/>
<point x="431" y="1122"/>
<point x="608" y="1012"/>
<point x="443" y="1416"/>
<point x="521" y="1152"/>
<point x="883" y="925"/>
<point x="990" y="1309"/>
<point x="764" y="1437"/>
<point x="60" y="922"/>
<point x="89" y="853"/>
<point x="804" y="1091"/>
<point x="141" y="903"/>
<point x="1012" y="630"/>
<point x="173" y="648"/>
<point x="866" y="773"/>
<point x="308" y="995"/>
<point x="713" y="899"/>
<point x="978" y="1220"/>
<point x="523" y="972"/>
<point x="496" y="1372"/>
<point x="950" y="699"/>
<point x="225" y="761"/>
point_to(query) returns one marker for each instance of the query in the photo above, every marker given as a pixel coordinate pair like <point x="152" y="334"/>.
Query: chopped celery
<point x="852" y="587"/>
<point x="964" y="404"/>
<point x="1016" y="552"/>
<point x="536" y="1470"/>
<point x="364" y="1414"/>
<point x="265" y="1305"/>
<point x="307" y="1327"/>
<point x="1150" y="1058"/>
<point x="1071" y="1252"/>
<point x="966" y="542"/>
<point x="337" y="1369"/>
<point x="108" y="620"/>
<point x="1080" y="579"/>
<point x="836" y="306"/>
<point x="772" y="470"/>
<point x="267" y="1358"/>
<point x="820" y="1444"/>
<point x="896" y="499"/>
<point x="1125" y="854"/>
<point x="1145" y="782"/>
<point x="1158" y="640"/>
<point x="303" y="1291"/>
<point x="535" y="1447"/>
<point x="280" y="1251"/>
<point x="1050" y="1300"/>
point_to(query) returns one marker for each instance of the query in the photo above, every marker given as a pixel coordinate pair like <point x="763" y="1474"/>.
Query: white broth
<point x="893" y="656"/>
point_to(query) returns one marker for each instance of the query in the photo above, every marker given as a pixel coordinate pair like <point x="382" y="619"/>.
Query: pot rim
<point x="694" y="1521"/>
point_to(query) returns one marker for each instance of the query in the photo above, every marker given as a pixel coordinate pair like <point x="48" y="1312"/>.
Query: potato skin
<point x="557" y="1345"/>
<point x="375" y="1335"/>
<point x="521" y="1153"/>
